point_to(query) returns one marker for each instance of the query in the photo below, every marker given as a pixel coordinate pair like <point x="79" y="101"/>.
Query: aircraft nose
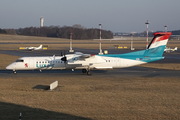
<point x="9" y="67"/>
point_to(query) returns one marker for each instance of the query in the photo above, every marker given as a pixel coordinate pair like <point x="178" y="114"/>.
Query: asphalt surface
<point x="120" y="73"/>
<point x="173" y="57"/>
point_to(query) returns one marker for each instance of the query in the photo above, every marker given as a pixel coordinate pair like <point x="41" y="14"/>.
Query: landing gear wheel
<point x="14" y="72"/>
<point x="89" y="73"/>
<point x="84" y="70"/>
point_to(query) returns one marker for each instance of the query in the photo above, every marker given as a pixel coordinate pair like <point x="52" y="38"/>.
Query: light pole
<point x="147" y="34"/>
<point x="132" y="41"/>
<point x="100" y="50"/>
<point x="71" y="50"/>
<point x="165" y="28"/>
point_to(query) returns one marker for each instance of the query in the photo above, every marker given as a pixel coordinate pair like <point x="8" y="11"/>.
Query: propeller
<point x="61" y="53"/>
<point x="64" y="58"/>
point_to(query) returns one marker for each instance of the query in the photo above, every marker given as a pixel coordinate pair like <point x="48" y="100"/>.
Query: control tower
<point x="41" y="21"/>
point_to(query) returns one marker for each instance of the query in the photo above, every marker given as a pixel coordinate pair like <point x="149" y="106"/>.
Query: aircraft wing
<point x="97" y="62"/>
<point x="83" y="56"/>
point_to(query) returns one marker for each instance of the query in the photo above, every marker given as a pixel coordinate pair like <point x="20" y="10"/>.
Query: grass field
<point x="88" y="97"/>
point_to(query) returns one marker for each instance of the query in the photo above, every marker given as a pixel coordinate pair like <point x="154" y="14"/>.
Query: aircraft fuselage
<point x="74" y="62"/>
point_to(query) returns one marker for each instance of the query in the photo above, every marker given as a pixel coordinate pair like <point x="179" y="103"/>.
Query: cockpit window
<point x="19" y="60"/>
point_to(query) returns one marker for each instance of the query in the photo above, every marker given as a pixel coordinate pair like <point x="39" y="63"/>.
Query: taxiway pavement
<point x="120" y="73"/>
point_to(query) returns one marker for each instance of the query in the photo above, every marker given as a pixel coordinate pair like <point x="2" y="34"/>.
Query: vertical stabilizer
<point x="158" y="44"/>
<point x="40" y="46"/>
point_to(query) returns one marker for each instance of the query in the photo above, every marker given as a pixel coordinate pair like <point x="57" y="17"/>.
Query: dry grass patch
<point x="98" y="98"/>
<point x="6" y="60"/>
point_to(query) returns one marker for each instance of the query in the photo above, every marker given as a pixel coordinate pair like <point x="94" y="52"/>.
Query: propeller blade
<point x="64" y="59"/>
<point x="61" y="53"/>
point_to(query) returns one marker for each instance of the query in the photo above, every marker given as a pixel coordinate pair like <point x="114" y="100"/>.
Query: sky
<point x="114" y="15"/>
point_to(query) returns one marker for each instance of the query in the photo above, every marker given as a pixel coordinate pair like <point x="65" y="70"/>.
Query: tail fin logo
<point x="160" y="39"/>
<point x="158" y="44"/>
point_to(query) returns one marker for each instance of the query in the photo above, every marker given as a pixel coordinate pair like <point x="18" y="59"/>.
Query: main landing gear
<point x="87" y="71"/>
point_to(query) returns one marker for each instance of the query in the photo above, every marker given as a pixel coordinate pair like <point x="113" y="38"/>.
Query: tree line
<point x="176" y="32"/>
<point x="78" y="32"/>
<point x="2" y="31"/>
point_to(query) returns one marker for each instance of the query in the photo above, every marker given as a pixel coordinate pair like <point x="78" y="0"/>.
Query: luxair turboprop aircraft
<point x="87" y="62"/>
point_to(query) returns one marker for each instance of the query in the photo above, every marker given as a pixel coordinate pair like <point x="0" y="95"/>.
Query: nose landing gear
<point x="14" y="71"/>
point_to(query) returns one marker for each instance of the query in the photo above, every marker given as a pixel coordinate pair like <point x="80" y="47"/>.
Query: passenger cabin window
<point x="19" y="60"/>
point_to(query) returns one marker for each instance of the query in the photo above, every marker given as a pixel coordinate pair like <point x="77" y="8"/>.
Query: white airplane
<point x="168" y="50"/>
<point x="87" y="62"/>
<point x="32" y="48"/>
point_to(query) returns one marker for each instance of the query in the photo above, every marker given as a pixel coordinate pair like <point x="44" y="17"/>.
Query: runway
<point x="131" y="72"/>
<point x="120" y="73"/>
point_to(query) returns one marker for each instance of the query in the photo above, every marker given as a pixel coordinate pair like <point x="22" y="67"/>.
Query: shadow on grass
<point x="10" y="111"/>
<point x="42" y="87"/>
